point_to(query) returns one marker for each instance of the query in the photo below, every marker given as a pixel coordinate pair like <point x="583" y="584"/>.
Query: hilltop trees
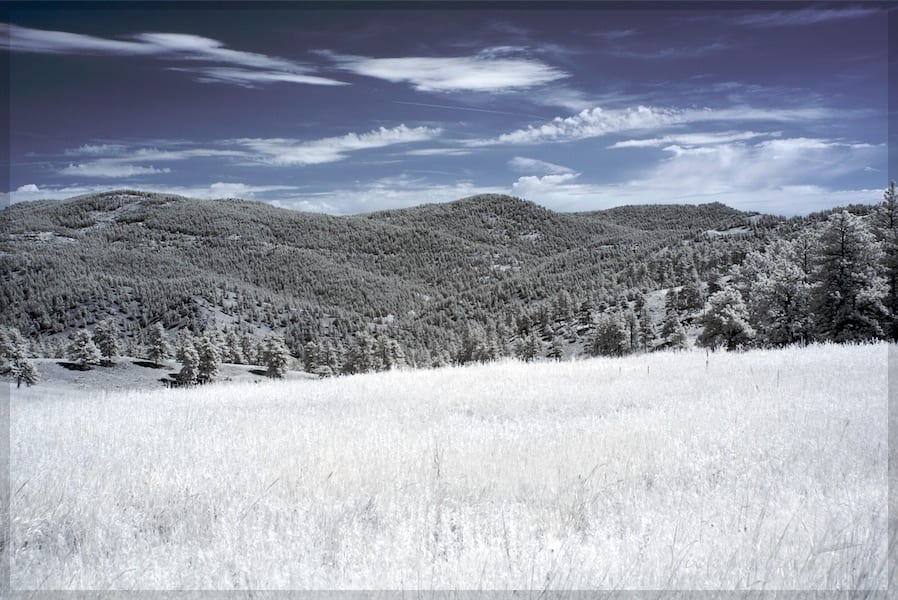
<point x="15" y="359"/>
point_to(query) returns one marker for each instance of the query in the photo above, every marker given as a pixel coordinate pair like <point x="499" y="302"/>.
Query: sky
<point x="770" y="107"/>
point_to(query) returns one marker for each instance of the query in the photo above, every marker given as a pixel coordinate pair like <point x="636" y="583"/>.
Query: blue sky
<point x="773" y="107"/>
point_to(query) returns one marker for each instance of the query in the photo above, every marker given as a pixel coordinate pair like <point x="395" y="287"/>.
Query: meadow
<point x="757" y="470"/>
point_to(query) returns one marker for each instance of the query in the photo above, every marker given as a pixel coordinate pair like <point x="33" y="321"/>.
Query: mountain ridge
<point x="424" y="274"/>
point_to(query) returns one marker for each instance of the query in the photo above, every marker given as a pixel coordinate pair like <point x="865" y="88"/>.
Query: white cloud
<point x="384" y="194"/>
<point x="780" y="176"/>
<point x="109" y="169"/>
<point x="439" y="152"/>
<point x="804" y="16"/>
<point x="209" y="192"/>
<point x="669" y="52"/>
<point x="122" y="165"/>
<point x="248" y="77"/>
<point x="522" y="164"/>
<point x="598" y="122"/>
<point x="96" y="150"/>
<point x="280" y="151"/>
<point x="491" y="70"/>
<point x="692" y="139"/>
<point x="245" y="67"/>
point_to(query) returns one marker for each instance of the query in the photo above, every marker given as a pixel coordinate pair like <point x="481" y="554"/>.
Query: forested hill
<point x="425" y="276"/>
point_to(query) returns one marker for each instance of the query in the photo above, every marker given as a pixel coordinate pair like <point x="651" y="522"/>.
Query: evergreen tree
<point x="190" y="362"/>
<point x="158" y="344"/>
<point x="311" y="358"/>
<point x="611" y="336"/>
<point x="778" y="293"/>
<point x="209" y="356"/>
<point x="233" y="350"/>
<point x="83" y="351"/>
<point x="15" y="359"/>
<point x="106" y="339"/>
<point x="275" y="356"/>
<point x="886" y="231"/>
<point x="726" y="323"/>
<point x="848" y="292"/>
<point x="528" y="348"/>
<point x="248" y="349"/>
<point x="556" y="349"/>
<point x="646" y="330"/>
<point x="673" y="334"/>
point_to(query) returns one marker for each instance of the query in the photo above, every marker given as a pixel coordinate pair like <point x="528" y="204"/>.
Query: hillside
<point x="424" y="275"/>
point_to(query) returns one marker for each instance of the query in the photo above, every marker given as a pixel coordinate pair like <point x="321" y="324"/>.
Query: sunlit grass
<point x="674" y="470"/>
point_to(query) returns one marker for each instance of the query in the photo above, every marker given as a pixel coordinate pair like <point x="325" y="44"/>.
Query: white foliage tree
<point x="727" y="322"/>
<point x="83" y="351"/>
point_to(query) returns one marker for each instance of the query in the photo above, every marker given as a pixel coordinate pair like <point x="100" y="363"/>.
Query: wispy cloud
<point x="522" y="164"/>
<point x="692" y="139"/>
<point x="110" y="170"/>
<point x="439" y="152"/>
<point x="206" y="192"/>
<point x="243" y="68"/>
<point x="491" y="70"/>
<point x="598" y="122"/>
<point x="669" y="52"/>
<point x="121" y="163"/>
<point x="804" y="16"/>
<point x="281" y="151"/>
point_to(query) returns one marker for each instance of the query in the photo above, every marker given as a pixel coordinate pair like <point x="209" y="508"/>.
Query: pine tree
<point x="556" y="349"/>
<point x="528" y="348"/>
<point x="611" y="336"/>
<point x="726" y="323"/>
<point x="209" y="357"/>
<point x="778" y="294"/>
<point x="83" y="351"/>
<point x="233" y="351"/>
<point x="848" y="292"/>
<point x="158" y="344"/>
<point x="15" y="359"/>
<point x="311" y="358"/>
<point x="886" y="231"/>
<point x="248" y="349"/>
<point x="275" y="356"/>
<point x="106" y="339"/>
<point x="190" y="362"/>
<point x="646" y="330"/>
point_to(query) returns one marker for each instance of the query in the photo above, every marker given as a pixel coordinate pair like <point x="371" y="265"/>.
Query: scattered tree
<point x="275" y="356"/>
<point x="106" y="339"/>
<point x="83" y="351"/>
<point x="15" y="360"/>
<point x="158" y="344"/>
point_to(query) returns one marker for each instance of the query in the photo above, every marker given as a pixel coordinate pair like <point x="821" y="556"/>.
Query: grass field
<point x="762" y="470"/>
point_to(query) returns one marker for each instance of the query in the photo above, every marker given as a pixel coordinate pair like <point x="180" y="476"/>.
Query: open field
<point x="763" y="470"/>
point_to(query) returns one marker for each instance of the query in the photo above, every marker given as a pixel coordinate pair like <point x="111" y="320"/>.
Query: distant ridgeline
<point x="475" y="279"/>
